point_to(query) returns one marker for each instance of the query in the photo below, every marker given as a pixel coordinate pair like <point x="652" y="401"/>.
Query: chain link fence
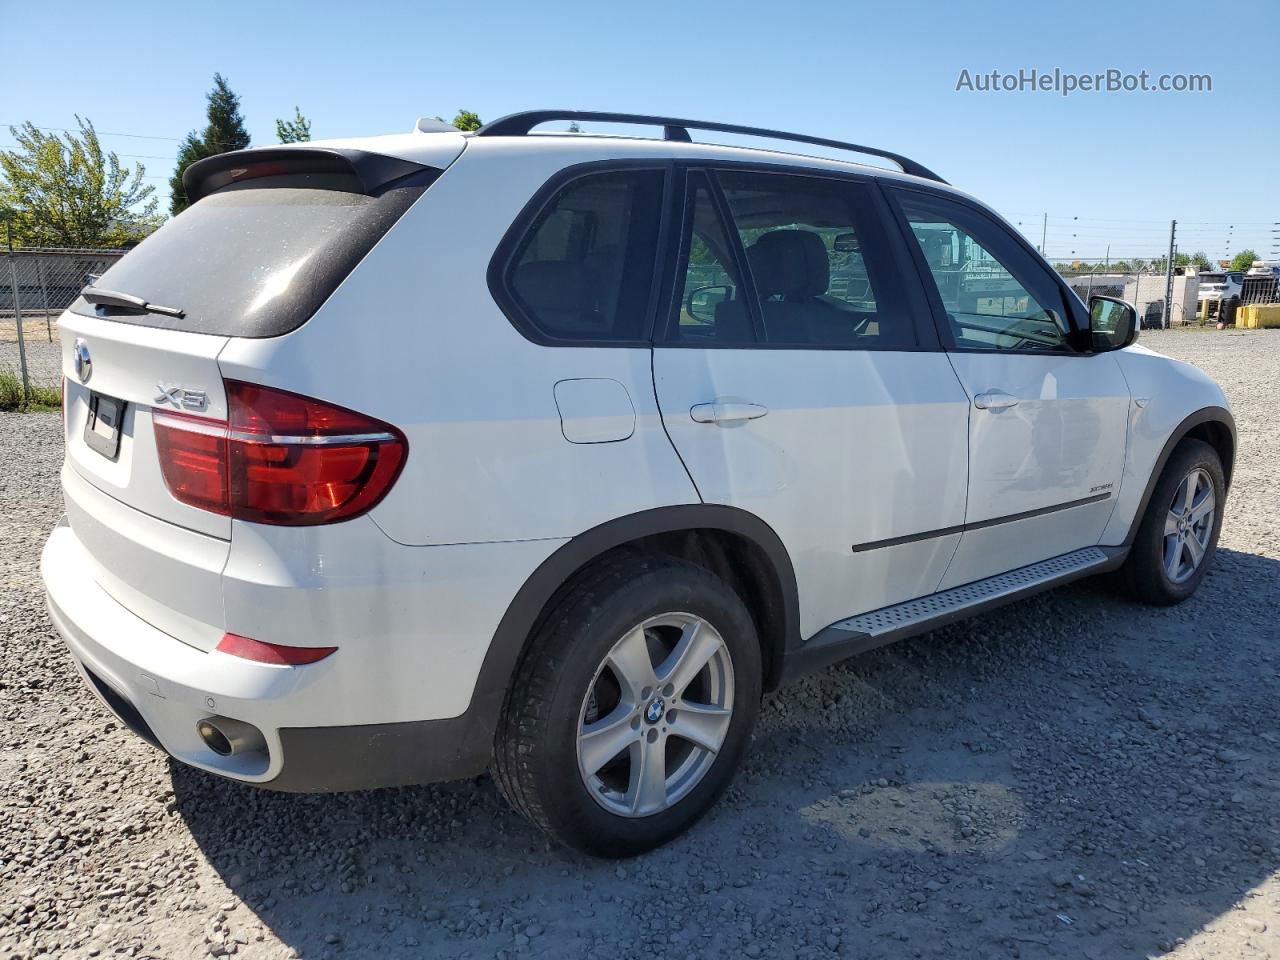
<point x="36" y="285"/>
<point x="1146" y="291"/>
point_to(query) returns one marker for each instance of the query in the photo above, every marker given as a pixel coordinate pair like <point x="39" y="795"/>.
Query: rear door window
<point x="821" y="266"/>
<point x="255" y="259"/>
<point x="713" y="309"/>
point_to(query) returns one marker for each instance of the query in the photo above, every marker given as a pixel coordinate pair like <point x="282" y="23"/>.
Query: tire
<point x="584" y="658"/>
<point x="1164" y="571"/>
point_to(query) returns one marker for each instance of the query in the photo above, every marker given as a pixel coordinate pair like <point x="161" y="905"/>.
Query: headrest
<point x="555" y="285"/>
<point x="790" y="263"/>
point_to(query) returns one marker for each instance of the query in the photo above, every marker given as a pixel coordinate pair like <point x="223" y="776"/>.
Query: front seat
<point x="792" y="273"/>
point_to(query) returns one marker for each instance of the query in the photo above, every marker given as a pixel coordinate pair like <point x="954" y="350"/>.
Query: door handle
<point x="994" y="400"/>
<point x="726" y="411"/>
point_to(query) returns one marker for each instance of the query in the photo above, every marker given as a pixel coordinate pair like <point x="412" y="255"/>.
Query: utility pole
<point x="1167" y="319"/>
<point x="1044" y="233"/>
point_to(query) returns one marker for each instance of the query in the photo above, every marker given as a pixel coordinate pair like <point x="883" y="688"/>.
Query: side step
<point x="867" y="631"/>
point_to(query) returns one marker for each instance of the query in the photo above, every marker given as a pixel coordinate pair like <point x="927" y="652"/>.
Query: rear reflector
<point x="249" y="649"/>
<point x="280" y="458"/>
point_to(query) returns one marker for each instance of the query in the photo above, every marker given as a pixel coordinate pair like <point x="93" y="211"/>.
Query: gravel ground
<point x="1072" y="776"/>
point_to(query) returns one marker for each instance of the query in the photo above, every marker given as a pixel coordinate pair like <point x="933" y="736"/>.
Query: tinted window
<point x="711" y="302"/>
<point x="255" y="259"/>
<point x="585" y="268"/>
<point x="996" y="297"/>
<point x="822" y="272"/>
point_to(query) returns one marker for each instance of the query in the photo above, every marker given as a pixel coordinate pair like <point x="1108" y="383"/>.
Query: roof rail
<point x="520" y="124"/>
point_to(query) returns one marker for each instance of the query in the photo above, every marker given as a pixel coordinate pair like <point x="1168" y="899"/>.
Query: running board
<point x="867" y="631"/>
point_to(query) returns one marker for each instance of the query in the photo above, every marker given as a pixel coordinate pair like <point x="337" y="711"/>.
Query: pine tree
<point x="224" y="132"/>
<point x="296" y="130"/>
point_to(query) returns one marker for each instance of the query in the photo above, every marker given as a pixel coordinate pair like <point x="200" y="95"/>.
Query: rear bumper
<point x="161" y="687"/>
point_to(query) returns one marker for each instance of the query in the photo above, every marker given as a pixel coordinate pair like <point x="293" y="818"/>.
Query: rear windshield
<point x="255" y="259"/>
<point x="1212" y="277"/>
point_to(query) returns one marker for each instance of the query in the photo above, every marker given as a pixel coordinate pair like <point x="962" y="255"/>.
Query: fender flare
<point x="1215" y="414"/>
<point x="521" y="617"/>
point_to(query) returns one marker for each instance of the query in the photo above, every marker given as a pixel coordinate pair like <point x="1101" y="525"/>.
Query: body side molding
<point x="979" y="524"/>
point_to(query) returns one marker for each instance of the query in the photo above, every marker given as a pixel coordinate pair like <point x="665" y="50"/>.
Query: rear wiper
<point x="126" y="301"/>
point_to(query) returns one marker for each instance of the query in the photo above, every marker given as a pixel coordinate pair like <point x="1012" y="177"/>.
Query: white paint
<point x="856" y="447"/>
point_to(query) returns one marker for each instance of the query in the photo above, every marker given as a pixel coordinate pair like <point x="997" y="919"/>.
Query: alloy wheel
<point x="655" y="715"/>
<point x="1189" y="525"/>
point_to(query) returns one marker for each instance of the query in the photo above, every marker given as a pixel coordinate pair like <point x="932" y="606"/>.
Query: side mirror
<point x="701" y="303"/>
<point x="1113" y="324"/>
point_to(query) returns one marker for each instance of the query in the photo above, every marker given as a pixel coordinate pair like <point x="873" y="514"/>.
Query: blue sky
<point x="1108" y="168"/>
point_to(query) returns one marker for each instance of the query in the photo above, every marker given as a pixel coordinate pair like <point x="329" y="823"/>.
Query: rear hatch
<point x="1211" y="284"/>
<point x="272" y="233"/>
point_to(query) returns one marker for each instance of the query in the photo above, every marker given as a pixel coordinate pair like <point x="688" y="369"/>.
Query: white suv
<point x="398" y="459"/>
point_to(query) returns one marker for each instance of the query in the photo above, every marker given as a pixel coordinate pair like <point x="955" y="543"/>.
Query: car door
<point x="798" y="380"/>
<point x="1048" y="420"/>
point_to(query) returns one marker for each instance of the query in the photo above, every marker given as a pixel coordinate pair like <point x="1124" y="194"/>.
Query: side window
<point x="712" y="308"/>
<point x="995" y="296"/>
<point x="584" y="269"/>
<point x="821" y="267"/>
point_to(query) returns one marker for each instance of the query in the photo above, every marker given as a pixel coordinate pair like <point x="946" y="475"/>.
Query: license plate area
<point x="102" y="429"/>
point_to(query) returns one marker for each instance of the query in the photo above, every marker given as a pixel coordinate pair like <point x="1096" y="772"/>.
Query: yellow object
<point x="1257" y="316"/>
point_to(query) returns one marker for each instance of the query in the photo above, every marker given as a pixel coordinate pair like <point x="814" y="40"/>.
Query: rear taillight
<point x="279" y="458"/>
<point x="193" y="458"/>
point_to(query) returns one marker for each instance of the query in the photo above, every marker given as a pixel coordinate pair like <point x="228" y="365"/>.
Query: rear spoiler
<point x="370" y="171"/>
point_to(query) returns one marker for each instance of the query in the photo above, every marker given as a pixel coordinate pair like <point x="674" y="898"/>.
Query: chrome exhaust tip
<point x="230" y="738"/>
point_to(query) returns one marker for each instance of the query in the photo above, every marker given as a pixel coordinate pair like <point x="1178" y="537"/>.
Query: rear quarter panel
<point x="414" y="337"/>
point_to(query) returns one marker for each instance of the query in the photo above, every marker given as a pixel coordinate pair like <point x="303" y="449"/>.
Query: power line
<point x="107" y="133"/>
<point x="132" y="156"/>
<point x="101" y="133"/>
<point x="1130" y="220"/>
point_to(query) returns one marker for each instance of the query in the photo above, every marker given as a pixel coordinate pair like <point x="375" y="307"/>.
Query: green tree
<point x="294" y="131"/>
<point x="67" y="191"/>
<point x="466" y="120"/>
<point x="224" y="132"/>
<point x="1121" y="266"/>
<point x="1243" y="260"/>
<point x="1200" y="261"/>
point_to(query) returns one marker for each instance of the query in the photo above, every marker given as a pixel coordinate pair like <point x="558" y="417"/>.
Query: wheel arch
<point x="1213" y="425"/>
<point x="732" y="543"/>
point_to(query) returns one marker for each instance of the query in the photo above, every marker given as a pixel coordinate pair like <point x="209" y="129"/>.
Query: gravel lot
<point x="1072" y="776"/>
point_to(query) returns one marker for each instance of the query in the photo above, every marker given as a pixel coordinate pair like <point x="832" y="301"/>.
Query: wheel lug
<point x="635" y="723"/>
<point x="652" y="735"/>
<point x="668" y="690"/>
<point x="646" y="693"/>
